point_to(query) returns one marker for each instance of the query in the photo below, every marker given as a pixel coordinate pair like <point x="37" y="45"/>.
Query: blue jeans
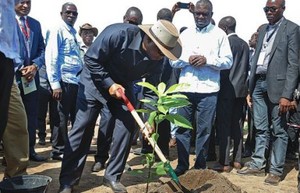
<point x="173" y="127"/>
<point x="269" y="126"/>
<point x="202" y="109"/>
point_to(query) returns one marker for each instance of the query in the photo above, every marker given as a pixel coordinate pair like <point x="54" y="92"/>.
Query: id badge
<point x="28" y="87"/>
<point x="261" y="58"/>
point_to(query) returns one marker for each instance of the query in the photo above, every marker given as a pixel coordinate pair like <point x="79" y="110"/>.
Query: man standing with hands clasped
<point x="32" y="54"/>
<point x="121" y="54"/>
<point x="273" y="79"/>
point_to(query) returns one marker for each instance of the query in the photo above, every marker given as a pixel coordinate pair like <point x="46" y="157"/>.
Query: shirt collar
<point x="277" y="24"/>
<point x="205" y="29"/>
<point x="232" y="34"/>
<point x="70" y="28"/>
<point x="19" y="17"/>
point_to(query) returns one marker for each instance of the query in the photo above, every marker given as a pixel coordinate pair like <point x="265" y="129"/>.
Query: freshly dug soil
<point x="201" y="181"/>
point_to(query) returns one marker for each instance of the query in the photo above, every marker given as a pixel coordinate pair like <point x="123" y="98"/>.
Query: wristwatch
<point x="37" y="67"/>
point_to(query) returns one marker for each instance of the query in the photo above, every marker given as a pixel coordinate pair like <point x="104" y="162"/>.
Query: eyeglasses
<point x="271" y="9"/>
<point x="71" y="12"/>
<point x="202" y="13"/>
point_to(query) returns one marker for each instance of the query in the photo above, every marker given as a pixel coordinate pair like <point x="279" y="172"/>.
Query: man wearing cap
<point x="87" y="33"/>
<point x="121" y="54"/>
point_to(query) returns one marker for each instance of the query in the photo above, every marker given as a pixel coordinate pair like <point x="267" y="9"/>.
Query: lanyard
<point x="273" y="32"/>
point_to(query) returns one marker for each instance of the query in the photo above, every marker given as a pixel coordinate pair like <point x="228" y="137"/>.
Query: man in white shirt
<point x="206" y="51"/>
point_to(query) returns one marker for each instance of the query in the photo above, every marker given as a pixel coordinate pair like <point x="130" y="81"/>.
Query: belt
<point x="260" y="76"/>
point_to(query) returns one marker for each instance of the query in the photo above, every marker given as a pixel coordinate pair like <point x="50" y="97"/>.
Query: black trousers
<point x="6" y="80"/>
<point x="66" y="110"/>
<point x="230" y="126"/>
<point x="105" y="132"/>
<point x="47" y="102"/>
<point x="80" y="136"/>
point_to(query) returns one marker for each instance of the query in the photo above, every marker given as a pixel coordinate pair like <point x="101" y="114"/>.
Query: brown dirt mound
<point x="202" y="181"/>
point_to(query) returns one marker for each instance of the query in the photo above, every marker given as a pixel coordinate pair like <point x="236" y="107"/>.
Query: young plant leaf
<point x="149" y="86"/>
<point x="179" y="121"/>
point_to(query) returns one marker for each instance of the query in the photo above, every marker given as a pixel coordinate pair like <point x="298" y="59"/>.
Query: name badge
<point x="261" y="58"/>
<point x="28" y="87"/>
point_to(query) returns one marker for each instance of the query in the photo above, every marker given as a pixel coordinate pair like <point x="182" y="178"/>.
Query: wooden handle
<point x="145" y="127"/>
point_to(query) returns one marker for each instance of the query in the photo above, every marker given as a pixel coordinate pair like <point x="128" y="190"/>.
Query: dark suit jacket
<point x="283" y="67"/>
<point x="37" y="46"/>
<point x="234" y="81"/>
<point x="115" y="57"/>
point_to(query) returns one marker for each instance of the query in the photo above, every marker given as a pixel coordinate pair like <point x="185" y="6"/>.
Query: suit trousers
<point x="105" y="132"/>
<point x="6" y="80"/>
<point x="269" y="126"/>
<point x="15" y="137"/>
<point x="66" y="110"/>
<point x="80" y="136"/>
<point x="230" y="126"/>
<point x="30" y="102"/>
<point x="47" y="102"/>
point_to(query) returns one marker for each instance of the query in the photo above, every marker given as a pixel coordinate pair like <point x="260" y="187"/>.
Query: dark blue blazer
<point x="116" y="57"/>
<point x="36" y="43"/>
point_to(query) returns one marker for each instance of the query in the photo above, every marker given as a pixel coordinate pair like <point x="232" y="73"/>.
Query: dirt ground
<point x="205" y="181"/>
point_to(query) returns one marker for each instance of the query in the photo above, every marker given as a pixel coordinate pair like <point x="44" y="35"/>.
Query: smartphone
<point x="183" y="5"/>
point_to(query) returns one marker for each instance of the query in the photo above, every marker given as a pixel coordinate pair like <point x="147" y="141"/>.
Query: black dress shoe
<point x="179" y="172"/>
<point x="65" y="189"/>
<point x="58" y="157"/>
<point x="35" y="157"/>
<point x="116" y="186"/>
<point x="97" y="167"/>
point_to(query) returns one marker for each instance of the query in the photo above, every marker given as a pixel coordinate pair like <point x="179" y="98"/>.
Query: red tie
<point x="24" y="27"/>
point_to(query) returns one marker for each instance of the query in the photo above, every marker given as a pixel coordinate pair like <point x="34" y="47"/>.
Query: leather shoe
<point x="116" y="186"/>
<point x="97" y="167"/>
<point x="35" y="157"/>
<point x="179" y="172"/>
<point x="221" y="168"/>
<point x="65" y="189"/>
<point x="58" y="157"/>
<point x="272" y="179"/>
<point x="251" y="171"/>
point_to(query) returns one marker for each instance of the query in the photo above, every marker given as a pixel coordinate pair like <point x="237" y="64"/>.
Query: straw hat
<point x="88" y="26"/>
<point x="166" y="37"/>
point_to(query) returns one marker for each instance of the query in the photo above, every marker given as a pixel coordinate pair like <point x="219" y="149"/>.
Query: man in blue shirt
<point x="121" y="54"/>
<point x="63" y="63"/>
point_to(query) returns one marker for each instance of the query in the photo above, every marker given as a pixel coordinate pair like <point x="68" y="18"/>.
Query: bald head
<point x="227" y="24"/>
<point x="133" y="15"/>
<point x="165" y="14"/>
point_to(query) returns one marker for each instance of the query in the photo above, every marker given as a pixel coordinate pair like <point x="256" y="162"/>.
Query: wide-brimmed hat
<point x="166" y="37"/>
<point x="88" y="26"/>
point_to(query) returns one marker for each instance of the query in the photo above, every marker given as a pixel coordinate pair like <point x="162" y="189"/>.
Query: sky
<point x="100" y="13"/>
